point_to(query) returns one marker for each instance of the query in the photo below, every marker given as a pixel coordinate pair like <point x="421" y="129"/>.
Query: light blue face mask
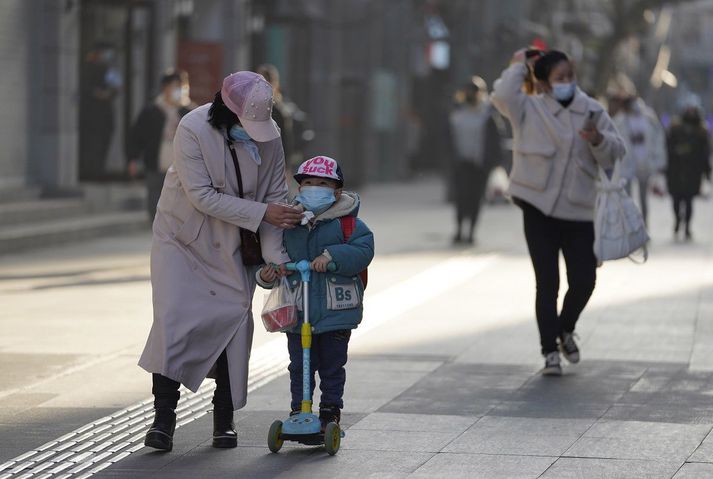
<point x="316" y="199"/>
<point x="238" y="133"/>
<point x="563" y="91"/>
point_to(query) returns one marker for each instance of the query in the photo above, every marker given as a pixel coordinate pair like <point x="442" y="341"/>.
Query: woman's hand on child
<point x="320" y="264"/>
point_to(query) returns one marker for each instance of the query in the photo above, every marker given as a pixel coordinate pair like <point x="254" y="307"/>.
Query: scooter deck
<point x="306" y="439"/>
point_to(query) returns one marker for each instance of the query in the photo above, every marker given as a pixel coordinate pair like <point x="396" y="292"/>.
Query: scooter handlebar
<point x="332" y="266"/>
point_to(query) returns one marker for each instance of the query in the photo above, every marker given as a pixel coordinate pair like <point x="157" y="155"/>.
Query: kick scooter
<point x="305" y="427"/>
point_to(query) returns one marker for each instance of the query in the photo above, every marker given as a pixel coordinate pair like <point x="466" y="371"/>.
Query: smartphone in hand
<point x="592" y="120"/>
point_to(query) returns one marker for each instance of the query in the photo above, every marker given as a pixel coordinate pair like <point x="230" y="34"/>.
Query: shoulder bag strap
<point x="237" y="168"/>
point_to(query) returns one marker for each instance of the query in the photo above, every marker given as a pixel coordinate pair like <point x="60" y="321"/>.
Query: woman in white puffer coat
<point x="561" y="137"/>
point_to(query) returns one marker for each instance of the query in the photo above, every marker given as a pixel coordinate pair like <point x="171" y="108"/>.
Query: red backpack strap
<point x="348" y="226"/>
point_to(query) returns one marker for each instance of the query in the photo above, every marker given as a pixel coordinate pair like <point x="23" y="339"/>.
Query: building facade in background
<point x="44" y="48"/>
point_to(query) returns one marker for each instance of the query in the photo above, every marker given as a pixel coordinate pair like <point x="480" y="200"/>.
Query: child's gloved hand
<point x="320" y="263"/>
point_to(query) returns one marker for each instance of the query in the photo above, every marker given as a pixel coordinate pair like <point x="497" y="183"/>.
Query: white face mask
<point x="176" y="95"/>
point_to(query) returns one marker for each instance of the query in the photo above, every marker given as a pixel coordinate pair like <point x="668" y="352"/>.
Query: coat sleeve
<point x="196" y="182"/>
<point x="508" y="96"/>
<point x="271" y="237"/>
<point x="354" y="256"/>
<point x="612" y="146"/>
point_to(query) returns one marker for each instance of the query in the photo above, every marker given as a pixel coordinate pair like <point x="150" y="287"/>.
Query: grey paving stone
<point x="579" y="468"/>
<point x="476" y="466"/>
<point x="259" y="463"/>
<point x="704" y="453"/>
<point x="461" y="389"/>
<point x="695" y="471"/>
<point x="586" y="391"/>
<point x="414" y="422"/>
<point x="671" y="413"/>
<point x="557" y="409"/>
<point x="639" y="440"/>
<point x="405" y="441"/>
<point x="520" y="436"/>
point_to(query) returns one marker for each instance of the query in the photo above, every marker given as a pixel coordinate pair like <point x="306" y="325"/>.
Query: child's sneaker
<point x="329" y="414"/>
<point x="552" y="364"/>
<point x="569" y="348"/>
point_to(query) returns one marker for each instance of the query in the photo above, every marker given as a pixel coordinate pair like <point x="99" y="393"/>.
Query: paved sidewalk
<point x="442" y="379"/>
<point x="449" y="388"/>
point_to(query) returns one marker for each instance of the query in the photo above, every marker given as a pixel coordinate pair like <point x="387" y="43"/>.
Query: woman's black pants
<point x="166" y="392"/>
<point x="683" y="210"/>
<point x="546" y="237"/>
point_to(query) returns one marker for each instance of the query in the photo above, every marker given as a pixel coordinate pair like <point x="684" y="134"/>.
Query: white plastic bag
<point x="619" y="228"/>
<point x="280" y="310"/>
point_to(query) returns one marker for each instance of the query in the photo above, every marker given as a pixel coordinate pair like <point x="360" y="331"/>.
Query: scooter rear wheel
<point x="274" y="439"/>
<point x="332" y="438"/>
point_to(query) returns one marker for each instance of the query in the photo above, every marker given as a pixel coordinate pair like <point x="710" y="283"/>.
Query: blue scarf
<point x="241" y="136"/>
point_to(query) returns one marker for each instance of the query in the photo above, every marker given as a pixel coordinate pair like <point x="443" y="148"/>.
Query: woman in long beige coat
<point x="202" y="291"/>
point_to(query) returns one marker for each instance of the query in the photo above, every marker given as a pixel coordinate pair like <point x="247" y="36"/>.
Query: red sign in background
<point x="204" y="63"/>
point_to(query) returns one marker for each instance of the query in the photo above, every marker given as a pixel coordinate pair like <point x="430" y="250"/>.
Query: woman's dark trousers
<point x="166" y="392"/>
<point x="683" y="211"/>
<point x="546" y="237"/>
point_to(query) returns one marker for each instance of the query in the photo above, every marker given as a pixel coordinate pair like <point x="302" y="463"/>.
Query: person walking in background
<point x="101" y="82"/>
<point x="560" y="138"/>
<point x="476" y="144"/>
<point x="688" y="163"/>
<point x="228" y="176"/>
<point x="151" y="136"/>
<point x="645" y="141"/>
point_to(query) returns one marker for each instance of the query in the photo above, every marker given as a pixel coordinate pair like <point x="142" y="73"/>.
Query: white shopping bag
<point x="619" y="228"/>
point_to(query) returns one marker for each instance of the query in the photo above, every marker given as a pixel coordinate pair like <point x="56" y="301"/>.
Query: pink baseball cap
<point x="320" y="167"/>
<point x="249" y="96"/>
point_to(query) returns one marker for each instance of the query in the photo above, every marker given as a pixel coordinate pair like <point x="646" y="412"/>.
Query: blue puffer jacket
<point x="335" y="298"/>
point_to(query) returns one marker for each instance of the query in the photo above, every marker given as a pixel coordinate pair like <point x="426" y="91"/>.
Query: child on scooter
<point x="331" y="232"/>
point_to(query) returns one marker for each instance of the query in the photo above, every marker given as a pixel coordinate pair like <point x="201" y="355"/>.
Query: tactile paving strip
<point x="96" y="446"/>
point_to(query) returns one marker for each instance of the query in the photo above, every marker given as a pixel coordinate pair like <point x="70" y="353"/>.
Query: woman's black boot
<point x="224" y="435"/>
<point x="160" y="435"/>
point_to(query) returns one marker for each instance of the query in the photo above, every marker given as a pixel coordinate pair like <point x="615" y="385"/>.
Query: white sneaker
<point x="552" y="365"/>
<point x="569" y="348"/>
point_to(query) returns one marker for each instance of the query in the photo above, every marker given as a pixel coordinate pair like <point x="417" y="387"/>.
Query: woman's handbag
<point x="250" y="249"/>
<point x="619" y="228"/>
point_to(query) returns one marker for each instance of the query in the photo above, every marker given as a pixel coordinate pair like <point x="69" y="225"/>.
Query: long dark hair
<point x="545" y="64"/>
<point x="220" y="116"/>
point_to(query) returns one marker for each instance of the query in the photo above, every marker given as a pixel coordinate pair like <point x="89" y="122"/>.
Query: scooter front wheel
<point x="332" y="438"/>
<point x="274" y="439"/>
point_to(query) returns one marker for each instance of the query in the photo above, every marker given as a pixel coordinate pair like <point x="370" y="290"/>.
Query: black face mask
<point x="691" y="119"/>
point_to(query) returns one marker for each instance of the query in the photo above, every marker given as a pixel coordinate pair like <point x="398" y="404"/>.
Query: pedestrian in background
<point x="101" y="82"/>
<point x="645" y="141"/>
<point x="228" y="175"/>
<point x="561" y="138"/>
<point x="476" y="145"/>
<point x="151" y="136"/>
<point x="688" y="163"/>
